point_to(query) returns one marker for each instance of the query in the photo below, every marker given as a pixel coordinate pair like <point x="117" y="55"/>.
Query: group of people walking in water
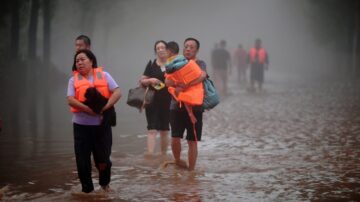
<point x="93" y="136"/>
<point x="256" y="58"/>
<point x="176" y="104"/>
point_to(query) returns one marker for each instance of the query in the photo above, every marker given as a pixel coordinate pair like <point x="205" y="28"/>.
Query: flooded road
<point x="293" y="142"/>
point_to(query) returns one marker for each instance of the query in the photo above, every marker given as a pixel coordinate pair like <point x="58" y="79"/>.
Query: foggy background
<point x="123" y="35"/>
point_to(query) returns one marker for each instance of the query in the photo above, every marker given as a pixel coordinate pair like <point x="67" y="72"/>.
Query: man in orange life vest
<point x="258" y="60"/>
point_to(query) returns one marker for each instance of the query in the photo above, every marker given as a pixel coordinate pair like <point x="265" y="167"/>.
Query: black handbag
<point x="140" y="97"/>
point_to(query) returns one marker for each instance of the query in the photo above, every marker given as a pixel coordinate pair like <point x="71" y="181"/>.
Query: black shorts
<point x="180" y="120"/>
<point x="257" y="73"/>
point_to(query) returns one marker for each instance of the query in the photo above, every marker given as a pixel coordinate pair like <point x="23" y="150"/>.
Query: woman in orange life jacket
<point x="179" y="118"/>
<point x="90" y="135"/>
<point x="157" y="113"/>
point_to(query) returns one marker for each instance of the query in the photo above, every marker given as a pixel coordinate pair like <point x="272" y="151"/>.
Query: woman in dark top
<point x="157" y="114"/>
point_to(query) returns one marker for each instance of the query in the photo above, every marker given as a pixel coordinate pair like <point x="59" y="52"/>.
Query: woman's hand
<point x="89" y="111"/>
<point x="115" y="96"/>
<point x="146" y="81"/>
<point x="106" y="107"/>
<point x="79" y="105"/>
<point x="154" y="81"/>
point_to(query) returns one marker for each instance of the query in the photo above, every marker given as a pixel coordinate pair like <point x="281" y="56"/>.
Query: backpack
<point x="211" y="98"/>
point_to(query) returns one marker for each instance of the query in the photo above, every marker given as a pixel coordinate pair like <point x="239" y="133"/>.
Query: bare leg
<point x="224" y="81"/>
<point x="252" y="85"/>
<point x="176" y="150"/>
<point x="192" y="154"/>
<point x="164" y="141"/>
<point x="151" y="141"/>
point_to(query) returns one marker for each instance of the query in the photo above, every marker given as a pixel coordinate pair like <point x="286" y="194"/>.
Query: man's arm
<point x="266" y="61"/>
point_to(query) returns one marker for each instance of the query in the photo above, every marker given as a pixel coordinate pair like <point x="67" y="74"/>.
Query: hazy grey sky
<point x="124" y="33"/>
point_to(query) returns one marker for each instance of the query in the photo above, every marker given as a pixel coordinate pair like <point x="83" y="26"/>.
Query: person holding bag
<point x="158" y="111"/>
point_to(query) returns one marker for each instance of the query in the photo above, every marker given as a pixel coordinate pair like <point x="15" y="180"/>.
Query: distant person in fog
<point x="221" y="64"/>
<point x="240" y="61"/>
<point x="259" y="61"/>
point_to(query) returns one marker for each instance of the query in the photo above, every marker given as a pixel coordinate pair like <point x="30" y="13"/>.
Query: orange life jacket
<point x="81" y="84"/>
<point x="193" y="95"/>
<point x="261" y="55"/>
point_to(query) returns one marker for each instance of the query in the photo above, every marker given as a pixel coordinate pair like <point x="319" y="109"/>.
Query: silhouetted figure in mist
<point x="259" y="61"/>
<point x="82" y="42"/>
<point x="240" y="61"/>
<point x="221" y="63"/>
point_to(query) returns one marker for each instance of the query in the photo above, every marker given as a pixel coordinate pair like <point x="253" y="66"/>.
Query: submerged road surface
<point x="292" y="142"/>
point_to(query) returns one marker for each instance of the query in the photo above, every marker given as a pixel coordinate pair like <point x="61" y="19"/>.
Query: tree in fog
<point x="337" y="22"/>
<point x="15" y="29"/>
<point x="32" y="40"/>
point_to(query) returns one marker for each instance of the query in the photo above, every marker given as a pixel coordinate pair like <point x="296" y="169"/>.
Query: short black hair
<point x="173" y="47"/>
<point x="157" y="42"/>
<point x="193" y="39"/>
<point x="85" y="38"/>
<point x="223" y="43"/>
<point x="89" y="54"/>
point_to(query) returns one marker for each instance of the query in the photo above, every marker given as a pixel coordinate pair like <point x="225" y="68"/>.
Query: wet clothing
<point x="96" y="140"/>
<point x="257" y="72"/>
<point x="92" y="137"/>
<point x="180" y="120"/>
<point x="257" y="67"/>
<point x="157" y="113"/>
<point x="82" y="117"/>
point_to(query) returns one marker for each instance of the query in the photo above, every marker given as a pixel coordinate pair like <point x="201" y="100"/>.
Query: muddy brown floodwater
<point x="295" y="141"/>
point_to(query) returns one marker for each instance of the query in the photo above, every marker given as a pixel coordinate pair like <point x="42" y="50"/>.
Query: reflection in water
<point x="295" y="143"/>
